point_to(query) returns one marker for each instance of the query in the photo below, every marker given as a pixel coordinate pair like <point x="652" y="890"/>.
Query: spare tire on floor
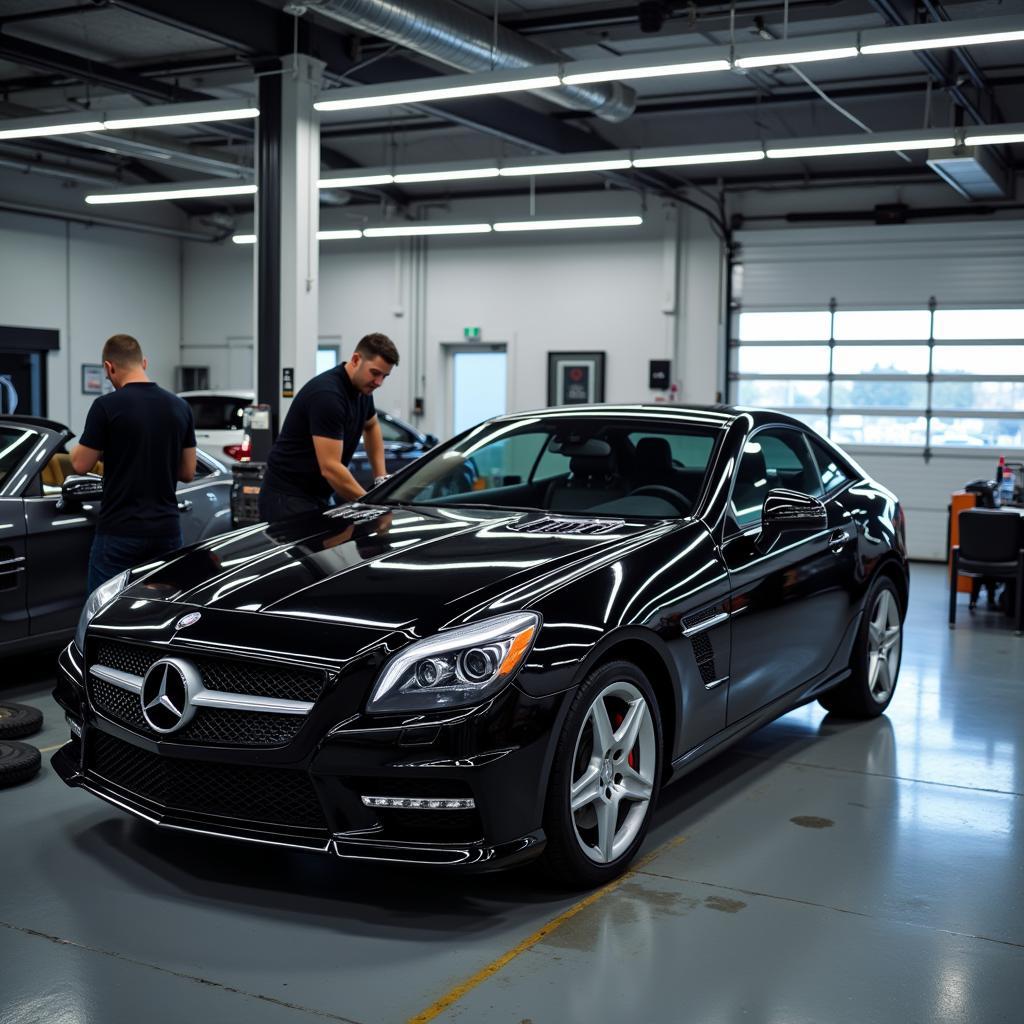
<point x="18" y="763"/>
<point x="17" y="720"/>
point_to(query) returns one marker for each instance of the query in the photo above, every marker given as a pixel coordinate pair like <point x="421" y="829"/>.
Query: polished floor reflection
<point x="821" y="871"/>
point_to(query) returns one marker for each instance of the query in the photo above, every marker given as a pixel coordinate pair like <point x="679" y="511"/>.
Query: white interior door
<point x="477" y="384"/>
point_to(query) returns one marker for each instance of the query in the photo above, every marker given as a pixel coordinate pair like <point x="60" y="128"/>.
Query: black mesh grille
<point x="225" y="674"/>
<point x="699" y="617"/>
<point x="277" y="796"/>
<point x="702" y="649"/>
<point x="556" y="524"/>
<point x="222" y="726"/>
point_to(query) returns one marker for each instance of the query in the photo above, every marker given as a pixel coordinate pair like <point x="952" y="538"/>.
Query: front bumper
<point x="308" y="794"/>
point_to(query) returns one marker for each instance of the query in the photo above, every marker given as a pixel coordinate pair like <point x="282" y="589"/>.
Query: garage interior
<point x="809" y="205"/>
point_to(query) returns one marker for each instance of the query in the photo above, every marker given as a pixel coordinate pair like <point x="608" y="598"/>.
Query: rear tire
<point x="875" y="661"/>
<point x="605" y="777"/>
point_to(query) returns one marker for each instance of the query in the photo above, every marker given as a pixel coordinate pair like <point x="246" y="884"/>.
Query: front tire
<point x="875" y="662"/>
<point x="605" y="777"/>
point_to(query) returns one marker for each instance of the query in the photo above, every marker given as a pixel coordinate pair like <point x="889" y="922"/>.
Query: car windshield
<point x="14" y="443"/>
<point x="220" y="412"/>
<point x="593" y="466"/>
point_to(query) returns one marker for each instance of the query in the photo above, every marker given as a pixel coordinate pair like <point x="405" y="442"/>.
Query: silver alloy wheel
<point x="613" y="772"/>
<point x="885" y="636"/>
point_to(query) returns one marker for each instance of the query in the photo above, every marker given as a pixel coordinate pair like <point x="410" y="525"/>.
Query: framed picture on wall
<point x="94" y="380"/>
<point x="575" y="378"/>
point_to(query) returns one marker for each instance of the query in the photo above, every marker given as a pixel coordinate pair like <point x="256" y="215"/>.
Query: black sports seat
<point x="592" y="481"/>
<point x="653" y="461"/>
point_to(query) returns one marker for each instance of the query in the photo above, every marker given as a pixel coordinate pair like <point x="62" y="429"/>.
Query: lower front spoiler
<point x="465" y="856"/>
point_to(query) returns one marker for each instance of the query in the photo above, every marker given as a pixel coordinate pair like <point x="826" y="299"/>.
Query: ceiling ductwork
<point x="467" y="41"/>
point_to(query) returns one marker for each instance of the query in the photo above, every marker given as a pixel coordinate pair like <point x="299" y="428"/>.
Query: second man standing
<point x="309" y="460"/>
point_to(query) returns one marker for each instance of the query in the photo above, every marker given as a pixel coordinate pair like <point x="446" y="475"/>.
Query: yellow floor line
<point x="463" y="988"/>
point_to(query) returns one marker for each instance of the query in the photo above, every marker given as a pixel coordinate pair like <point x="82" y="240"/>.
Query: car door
<point x="57" y="545"/>
<point x="13" y="607"/>
<point x="790" y="603"/>
<point x="204" y="506"/>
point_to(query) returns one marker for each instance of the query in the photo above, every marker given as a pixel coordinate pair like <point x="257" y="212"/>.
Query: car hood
<point x="384" y="568"/>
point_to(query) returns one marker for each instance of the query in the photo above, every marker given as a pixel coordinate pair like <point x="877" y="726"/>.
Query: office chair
<point x="991" y="545"/>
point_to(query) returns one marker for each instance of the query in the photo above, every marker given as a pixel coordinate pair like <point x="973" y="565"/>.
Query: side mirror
<point x="431" y="440"/>
<point x="76" y="490"/>
<point x="785" y="511"/>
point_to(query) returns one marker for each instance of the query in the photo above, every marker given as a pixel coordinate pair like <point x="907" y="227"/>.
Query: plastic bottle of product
<point x="1006" y="485"/>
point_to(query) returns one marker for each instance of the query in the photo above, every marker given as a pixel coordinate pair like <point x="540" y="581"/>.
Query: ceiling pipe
<point x="10" y="159"/>
<point x="89" y="220"/>
<point x="470" y="42"/>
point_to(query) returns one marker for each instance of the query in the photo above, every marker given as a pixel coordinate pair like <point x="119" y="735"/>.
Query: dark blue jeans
<point x="277" y="505"/>
<point x="111" y="554"/>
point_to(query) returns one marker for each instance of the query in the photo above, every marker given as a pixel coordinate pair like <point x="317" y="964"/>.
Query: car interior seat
<point x="592" y="480"/>
<point x="58" y="469"/>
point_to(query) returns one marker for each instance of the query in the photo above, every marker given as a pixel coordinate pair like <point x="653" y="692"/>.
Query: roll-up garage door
<point x="904" y="343"/>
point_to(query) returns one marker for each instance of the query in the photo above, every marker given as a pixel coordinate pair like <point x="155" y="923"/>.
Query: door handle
<point x="184" y="506"/>
<point x="839" y="540"/>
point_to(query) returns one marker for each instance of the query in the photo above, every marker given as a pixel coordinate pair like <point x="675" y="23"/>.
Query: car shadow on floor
<point x="322" y="890"/>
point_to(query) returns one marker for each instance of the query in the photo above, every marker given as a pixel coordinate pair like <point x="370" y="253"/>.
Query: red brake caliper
<point x="619" y="719"/>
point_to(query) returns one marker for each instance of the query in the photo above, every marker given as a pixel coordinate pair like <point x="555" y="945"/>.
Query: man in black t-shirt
<point x="309" y="460"/>
<point x="147" y="440"/>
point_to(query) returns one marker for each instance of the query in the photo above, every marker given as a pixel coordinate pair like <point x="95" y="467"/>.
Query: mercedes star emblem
<point x="188" y="620"/>
<point x="167" y="692"/>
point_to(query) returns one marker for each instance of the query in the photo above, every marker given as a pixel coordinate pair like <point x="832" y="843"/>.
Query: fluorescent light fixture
<point x="322" y="236"/>
<point x="769" y="60"/>
<point x="446" y="87"/>
<point x="838" y="149"/>
<point x="1004" y="139"/>
<point x="684" y="159"/>
<point x="192" y="191"/>
<point x="564" y="225"/>
<point x="450" y="175"/>
<point x="197" y="117"/>
<point x="969" y="32"/>
<point x="569" y="167"/>
<point x="37" y="131"/>
<point x="115" y="120"/>
<point x="356" y="180"/>
<point x="625" y="74"/>
<point x="427" y="229"/>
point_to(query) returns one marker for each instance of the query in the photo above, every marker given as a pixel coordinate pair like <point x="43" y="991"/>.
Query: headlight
<point x="458" y="667"/>
<point x="101" y="596"/>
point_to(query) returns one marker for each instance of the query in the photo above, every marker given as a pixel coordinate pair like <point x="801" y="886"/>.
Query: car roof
<point x="34" y="421"/>
<point x="715" y="415"/>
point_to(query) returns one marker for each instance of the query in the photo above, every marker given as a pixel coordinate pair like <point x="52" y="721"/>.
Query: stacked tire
<point x="19" y="762"/>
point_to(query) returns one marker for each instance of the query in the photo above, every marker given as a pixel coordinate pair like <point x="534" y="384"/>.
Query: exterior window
<point x="922" y="378"/>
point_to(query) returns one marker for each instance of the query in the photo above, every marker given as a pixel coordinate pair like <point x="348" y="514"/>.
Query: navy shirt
<point x="141" y="430"/>
<point x="326" y="406"/>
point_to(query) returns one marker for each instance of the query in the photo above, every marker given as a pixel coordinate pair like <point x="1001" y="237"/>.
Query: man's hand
<point x="83" y="459"/>
<point x="328" y="456"/>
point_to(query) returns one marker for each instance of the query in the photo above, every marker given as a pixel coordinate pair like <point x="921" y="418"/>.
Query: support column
<point x="287" y="220"/>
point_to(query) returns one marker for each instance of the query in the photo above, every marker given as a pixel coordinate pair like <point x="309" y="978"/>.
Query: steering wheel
<point x="673" y="497"/>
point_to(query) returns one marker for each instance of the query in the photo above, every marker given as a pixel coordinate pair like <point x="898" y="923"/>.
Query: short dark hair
<point x="122" y="350"/>
<point x="378" y="345"/>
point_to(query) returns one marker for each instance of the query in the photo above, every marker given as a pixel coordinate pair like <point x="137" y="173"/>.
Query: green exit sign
<point x="471" y="333"/>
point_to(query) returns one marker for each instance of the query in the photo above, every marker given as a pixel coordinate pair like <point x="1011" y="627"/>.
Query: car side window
<point x="833" y="476"/>
<point x="392" y="432"/>
<point x="775" y="457"/>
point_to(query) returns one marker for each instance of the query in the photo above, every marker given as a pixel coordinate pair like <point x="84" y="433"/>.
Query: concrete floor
<point x="821" y="871"/>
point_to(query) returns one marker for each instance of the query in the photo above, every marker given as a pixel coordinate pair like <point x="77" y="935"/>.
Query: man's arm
<point x="373" y="441"/>
<point x="328" y="456"/>
<point x="187" y="466"/>
<point x="83" y="458"/>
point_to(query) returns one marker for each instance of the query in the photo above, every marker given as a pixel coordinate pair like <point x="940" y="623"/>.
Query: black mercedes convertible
<point x="502" y="652"/>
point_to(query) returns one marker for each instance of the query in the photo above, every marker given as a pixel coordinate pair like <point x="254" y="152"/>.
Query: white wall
<point x="89" y="283"/>
<point x="635" y="294"/>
